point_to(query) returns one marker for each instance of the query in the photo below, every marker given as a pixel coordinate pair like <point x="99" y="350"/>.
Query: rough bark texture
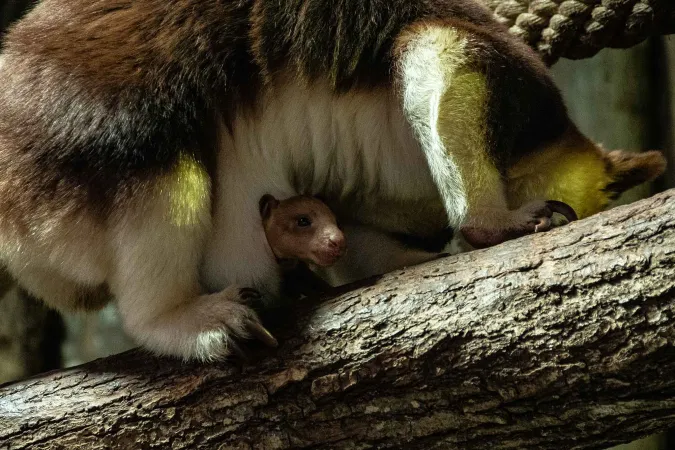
<point x="621" y="99"/>
<point x="558" y="340"/>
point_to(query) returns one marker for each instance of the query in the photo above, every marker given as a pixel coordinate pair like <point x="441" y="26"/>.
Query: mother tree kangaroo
<point x="137" y="136"/>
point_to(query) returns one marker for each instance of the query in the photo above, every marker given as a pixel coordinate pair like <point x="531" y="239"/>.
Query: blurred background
<point x="622" y="98"/>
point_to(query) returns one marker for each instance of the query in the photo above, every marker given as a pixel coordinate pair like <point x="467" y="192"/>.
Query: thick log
<point x="558" y="340"/>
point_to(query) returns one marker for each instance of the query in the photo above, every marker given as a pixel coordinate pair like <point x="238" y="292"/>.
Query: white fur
<point x="339" y="143"/>
<point x="426" y="71"/>
<point x="371" y="252"/>
<point x="297" y="139"/>
<point x="377" y="143"/>
<point x="155" y="278"/>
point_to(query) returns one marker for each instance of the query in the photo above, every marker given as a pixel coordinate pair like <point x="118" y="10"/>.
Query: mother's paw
<point x="501" y="225"/>
<point x="229" y="316"/>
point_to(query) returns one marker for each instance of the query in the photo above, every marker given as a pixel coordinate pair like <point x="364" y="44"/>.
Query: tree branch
<point x="558" y="340"/>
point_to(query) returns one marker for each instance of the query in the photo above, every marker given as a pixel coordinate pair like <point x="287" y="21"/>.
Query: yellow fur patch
<point x="576" y="176"/>
<point x="461" y="124"/>
<point x="189" y="189"/>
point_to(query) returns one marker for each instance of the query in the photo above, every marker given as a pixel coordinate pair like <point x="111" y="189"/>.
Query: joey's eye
<point x="304" y="222"/>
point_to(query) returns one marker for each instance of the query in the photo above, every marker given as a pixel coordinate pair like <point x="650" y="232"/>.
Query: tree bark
<point x="558" y="340"/>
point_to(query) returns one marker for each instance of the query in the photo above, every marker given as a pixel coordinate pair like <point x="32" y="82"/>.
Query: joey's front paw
<point x="505" y="225"/>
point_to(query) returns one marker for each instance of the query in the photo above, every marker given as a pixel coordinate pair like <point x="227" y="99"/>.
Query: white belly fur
<point x="357" y="141"/>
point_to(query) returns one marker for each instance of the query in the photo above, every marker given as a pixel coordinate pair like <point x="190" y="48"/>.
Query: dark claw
<point x="237" y="351"/>
<point x="253" y="299"/>
<point x="563" y="208"/>
<point x="248" y="294"/>
<point x="260" y="333"/>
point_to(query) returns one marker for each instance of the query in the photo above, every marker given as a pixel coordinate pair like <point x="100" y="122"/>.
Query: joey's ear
<point x="628" y="169"/>
<point x="266" y="204"/>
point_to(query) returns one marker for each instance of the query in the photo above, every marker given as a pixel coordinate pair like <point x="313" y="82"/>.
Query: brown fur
<point x="525" y="108"/>
<point x="91" y="123"/>
<point x="322" y="243"/>
<point x="318" y="240"/>
<point x="632" y="169"/>
<point x="579" y="172"/>
<point x="110" y="114"/>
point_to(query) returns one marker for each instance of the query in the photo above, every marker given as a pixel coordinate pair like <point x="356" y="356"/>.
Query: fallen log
<point x="558" y="340"/>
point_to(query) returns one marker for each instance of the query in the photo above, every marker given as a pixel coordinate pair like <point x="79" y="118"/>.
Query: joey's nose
<point x="337" y="242"/>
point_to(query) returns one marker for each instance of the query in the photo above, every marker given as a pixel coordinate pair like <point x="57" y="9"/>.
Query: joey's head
<point x="302" y="228"/>
<point x="579" y="172"/>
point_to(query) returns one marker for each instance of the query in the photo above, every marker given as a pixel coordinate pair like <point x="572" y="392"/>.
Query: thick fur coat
<point x="136" y="138"/>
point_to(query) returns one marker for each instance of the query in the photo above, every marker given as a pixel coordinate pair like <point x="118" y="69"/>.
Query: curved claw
<point x="260" y="333"/>
<point x="562" y="208"/>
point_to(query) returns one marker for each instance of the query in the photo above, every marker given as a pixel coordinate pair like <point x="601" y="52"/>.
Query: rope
<point x="578" y="29"/>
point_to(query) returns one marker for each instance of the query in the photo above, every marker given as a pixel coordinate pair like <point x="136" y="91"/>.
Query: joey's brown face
<point x="302" y="228"/>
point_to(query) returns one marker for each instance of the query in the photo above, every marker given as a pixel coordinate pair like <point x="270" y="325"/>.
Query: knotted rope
<point x="578" y="29"/>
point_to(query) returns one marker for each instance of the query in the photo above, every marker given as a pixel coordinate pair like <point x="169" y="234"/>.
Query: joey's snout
<point x="337" y="242"/>
<point x="333" y="247"/>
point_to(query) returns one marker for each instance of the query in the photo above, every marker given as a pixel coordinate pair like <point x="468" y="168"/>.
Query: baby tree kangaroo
<point x="302" y="230"/>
